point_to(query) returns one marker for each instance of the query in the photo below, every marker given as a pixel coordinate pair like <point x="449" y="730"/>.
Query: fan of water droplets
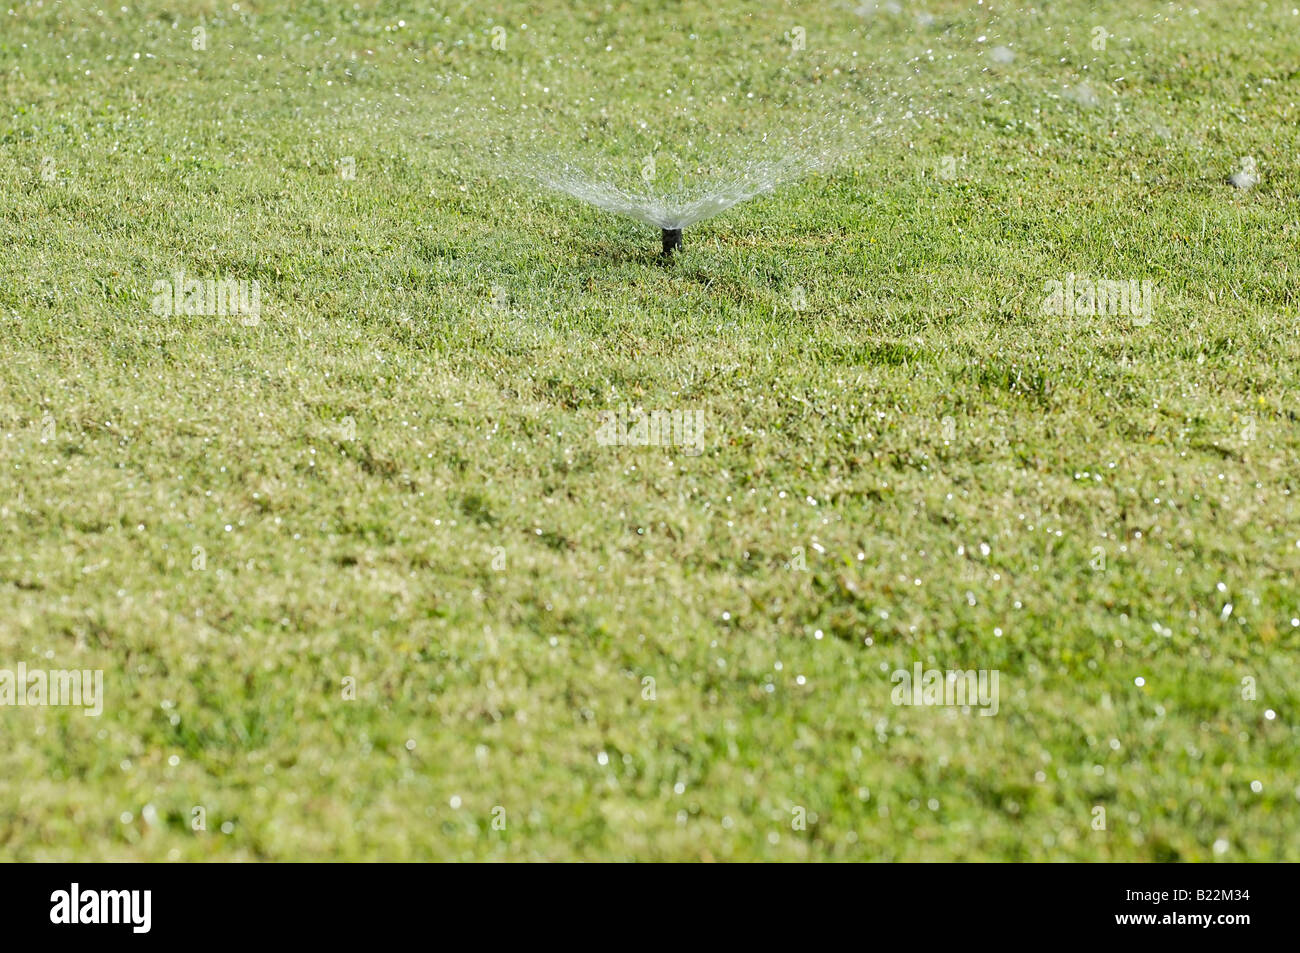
<point x="673" y="117"/>
<point x="671" y="114"/>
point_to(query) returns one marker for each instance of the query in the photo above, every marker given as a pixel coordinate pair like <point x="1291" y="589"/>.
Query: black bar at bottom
<point x="329" y="904"/>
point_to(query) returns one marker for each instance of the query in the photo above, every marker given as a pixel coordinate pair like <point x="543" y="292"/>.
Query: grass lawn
<point x="365" y="583"/>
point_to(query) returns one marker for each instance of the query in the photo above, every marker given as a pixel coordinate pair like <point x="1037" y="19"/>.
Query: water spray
<point x="809" y="113"/>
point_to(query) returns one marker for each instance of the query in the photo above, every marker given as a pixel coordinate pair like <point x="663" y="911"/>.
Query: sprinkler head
<point x="672" y="240"/>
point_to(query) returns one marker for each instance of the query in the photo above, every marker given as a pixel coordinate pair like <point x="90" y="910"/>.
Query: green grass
<point x="394" y="476"/>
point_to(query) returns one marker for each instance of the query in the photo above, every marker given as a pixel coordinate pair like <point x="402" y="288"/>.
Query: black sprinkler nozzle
<point x="672" y="240"/>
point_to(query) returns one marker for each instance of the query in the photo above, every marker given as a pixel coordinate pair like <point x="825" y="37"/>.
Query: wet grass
<point x="364" y="584"/>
